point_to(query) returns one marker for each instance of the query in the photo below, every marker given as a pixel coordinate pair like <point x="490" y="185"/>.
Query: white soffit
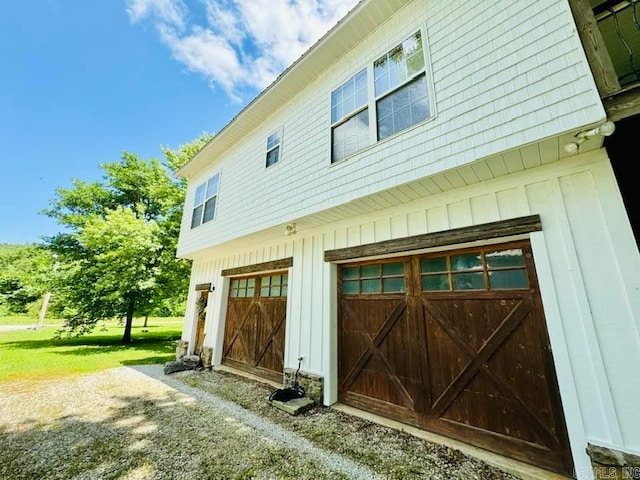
<point x="365" y="17"/>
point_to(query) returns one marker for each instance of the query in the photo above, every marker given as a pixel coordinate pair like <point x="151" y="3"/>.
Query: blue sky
<point x="82" y="81"/>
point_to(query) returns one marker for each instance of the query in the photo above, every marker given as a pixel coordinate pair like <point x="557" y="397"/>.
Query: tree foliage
<point x="25" y="272"/>
<point x="117" y="250"/>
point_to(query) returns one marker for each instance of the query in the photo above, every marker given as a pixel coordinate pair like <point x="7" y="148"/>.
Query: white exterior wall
<point x="588" y="268"/>
<point x="504" y="74"/>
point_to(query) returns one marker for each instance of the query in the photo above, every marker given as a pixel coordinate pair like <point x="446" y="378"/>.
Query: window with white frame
<point x="204" y="205"/>
<point x="349" y="117"/>
<point x="273" y="149"/>
<point x="401" y="87"/>
<point x="400" y="99"/>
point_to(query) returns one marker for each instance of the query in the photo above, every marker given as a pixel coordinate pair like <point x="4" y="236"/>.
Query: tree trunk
<point x="146" y="318"/>
<point x="126" y="338"/>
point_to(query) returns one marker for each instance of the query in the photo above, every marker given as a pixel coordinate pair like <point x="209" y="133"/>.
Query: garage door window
<point x="243" y="287"/>
<point x="376" y="278"/>
<point x="477" y="270"/>
<point x="274" y="286"/>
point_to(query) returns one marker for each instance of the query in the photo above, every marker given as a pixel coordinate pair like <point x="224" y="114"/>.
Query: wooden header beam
<point x="259" y="267"/>
<point x="503" y="228"/>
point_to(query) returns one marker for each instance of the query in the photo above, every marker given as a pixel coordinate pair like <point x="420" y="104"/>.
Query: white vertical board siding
<point x="505" y="74"/>
<point x="589" y="274"/>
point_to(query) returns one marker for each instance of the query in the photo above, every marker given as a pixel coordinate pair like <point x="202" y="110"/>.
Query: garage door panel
<point x="378" y="357"/>
<point x="468" y="356"/>
<point x="239" y="333"/>
<point x="270" y="335"/>
<point x="256" y="323"/>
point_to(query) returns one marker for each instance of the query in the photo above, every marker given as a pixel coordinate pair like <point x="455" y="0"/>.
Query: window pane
<point x="273" y="156"/>
<point x="251" y="292"/>
<point x="393" y="68"/>
<point x="370" y="271"/>
<point x="350" y="136"/>
<point x="196" y="218"/>
<point x="199" y="194"/>
<point x="243" y="283"/>
<point x="209" y="210"/>
<point x="350" y="96"/>
<point x="371" y="286"/>
<point x="393" y="284"/>
<point x="242" y="293"/>
<point x="234" y="283"/>
<point x="276" y="279"/>
<point x="469" y="261"/>
<point x="402" y="119"/>
<point x="505" y="258"/>
<point x="350" y="272"/>
<point x="393" y="268"/>
<point x="351" y="287"/>
<point x="508" y="279"/>
<point x="415" y="63"/>
<point x="264" y="281"/>
<point x="212" y="186"/>
<point x="251" y="282"/>
<point x="264" y="292"/>
<point x="403" y="108"/>
<point x="468" y="281"/>
<point x="438" y="264"/>
<point x="273" y="140"/>
<point x="284" y="291"/>
<point x="435" y="282"/>
<point x="234" y="293"/>
<point x="275" y="291"/>
<point x="385" y="107"/>
<point x="285" y="279"/>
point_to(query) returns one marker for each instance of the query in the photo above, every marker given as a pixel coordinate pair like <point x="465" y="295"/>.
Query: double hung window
<point x="401" y="87"/>
<point x="273" y="149"/>
<point x="204" y="205"/>
<point x="399" y="100"/>
<point x="349" y="117"/>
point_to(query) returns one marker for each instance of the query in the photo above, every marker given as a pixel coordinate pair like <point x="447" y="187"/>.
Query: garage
<point x="454" y="342"/>
<point x="255" y="324"/>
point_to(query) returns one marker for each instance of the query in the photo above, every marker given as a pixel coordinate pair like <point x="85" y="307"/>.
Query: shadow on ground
<point x="171" y="437"/>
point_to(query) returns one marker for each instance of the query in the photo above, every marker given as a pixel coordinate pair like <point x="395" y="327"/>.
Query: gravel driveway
<point x="137" y="423"/>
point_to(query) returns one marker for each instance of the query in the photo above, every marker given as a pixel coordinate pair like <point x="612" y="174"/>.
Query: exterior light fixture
<point x="604" y="130"/>
<point x="290" y="229"/>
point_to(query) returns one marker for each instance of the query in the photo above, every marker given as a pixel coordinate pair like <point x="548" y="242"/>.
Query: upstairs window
<point x="273" y="149"/>
<point x="401" y="87"/>
<point x="400" y="99"/>
<point x="204" y="205"/>
<point x="349" y="117"/>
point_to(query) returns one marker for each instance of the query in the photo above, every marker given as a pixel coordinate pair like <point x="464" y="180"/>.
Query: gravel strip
<point x="264" y="427"/>
<point x="139" y="424"/>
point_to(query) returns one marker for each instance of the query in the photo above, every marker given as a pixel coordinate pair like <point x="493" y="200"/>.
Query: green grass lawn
<point x="27" y="320"/>
<point x="36" y="354"/>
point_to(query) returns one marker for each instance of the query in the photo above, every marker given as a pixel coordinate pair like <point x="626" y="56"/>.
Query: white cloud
<point x="169" y="12"/>
<point x="240" y="45"/>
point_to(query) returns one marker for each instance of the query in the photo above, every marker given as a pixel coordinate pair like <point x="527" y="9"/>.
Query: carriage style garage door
<point x="255" y="324"/>
<point x="454" y="342"/>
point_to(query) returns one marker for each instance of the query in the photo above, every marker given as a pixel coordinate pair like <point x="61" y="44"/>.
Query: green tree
<point x="25" y="271"/>
<point x="117" y="250"/>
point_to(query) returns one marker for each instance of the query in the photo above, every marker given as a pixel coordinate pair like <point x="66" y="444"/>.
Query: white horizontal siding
<point x="505" y="74"/>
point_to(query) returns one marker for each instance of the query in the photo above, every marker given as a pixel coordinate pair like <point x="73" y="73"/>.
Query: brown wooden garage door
<point x="456" y="343"/>
<point x="255" y="324"/>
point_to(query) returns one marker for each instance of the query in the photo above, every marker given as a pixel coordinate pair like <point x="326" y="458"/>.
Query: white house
<point x="424" y="209"/>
